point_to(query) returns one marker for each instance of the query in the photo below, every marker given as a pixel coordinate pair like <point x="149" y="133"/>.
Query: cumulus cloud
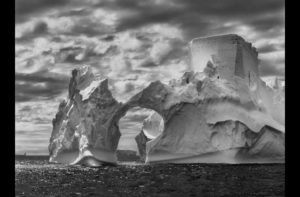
<point x="173" y="19"/>
<point x="40" y="85"/>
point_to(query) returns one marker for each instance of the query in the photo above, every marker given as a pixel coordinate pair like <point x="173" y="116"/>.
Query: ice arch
<point x="86" y="125"/>
<point x="137" y="127"/>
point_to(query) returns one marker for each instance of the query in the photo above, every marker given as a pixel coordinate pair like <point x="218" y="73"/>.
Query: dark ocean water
<point x="34" y="176"/>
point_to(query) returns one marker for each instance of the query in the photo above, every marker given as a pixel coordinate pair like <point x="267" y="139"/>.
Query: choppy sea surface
<point x="35" y="176"/>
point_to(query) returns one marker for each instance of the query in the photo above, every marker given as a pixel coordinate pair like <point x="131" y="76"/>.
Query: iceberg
<point x="219" y="112"/>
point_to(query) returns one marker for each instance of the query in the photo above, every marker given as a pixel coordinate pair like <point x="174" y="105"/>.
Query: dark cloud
<point x="148" y="16"/>
<point x="27" y="86"/>
<point x="87" y="50"/>
<point x="148" y="64"/>
<point x="70" y="48"/>
<point x="40" y="29"/>
<point x="68" y="54"/>
<point x="195" y="17"/>
<point x="198" y="16"/>
<point x="87" y="27"/>
<point x="27" y="8"/>
<point x="21" y="132"/>
<point x="75" y="12"/>
<point x="108" y="38"/>
<point x="71" y="58"/>
<point x="39" y="120"/>
<point x="266" y="23"/>
<point x="267" y="69"/>
<point x="270" y="47"/>
<point x="267" y="48"/>
<point x="83" y="26"/>
<point x="25" y="108"/>
<point x="233" y="8"/>
<point x="193" y="25"/>
<point x="20" y="52"/>
<point x="56" y="39"/>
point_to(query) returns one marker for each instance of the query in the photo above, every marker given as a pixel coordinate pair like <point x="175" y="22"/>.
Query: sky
<point x="132" y="42"/>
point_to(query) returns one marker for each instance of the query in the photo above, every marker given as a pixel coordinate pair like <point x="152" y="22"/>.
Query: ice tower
<point x="230" y="54"/>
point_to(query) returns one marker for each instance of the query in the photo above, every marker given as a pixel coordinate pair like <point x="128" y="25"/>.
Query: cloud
<point x="87" y="27"/>
<point x="36" y="112"/>
<point x="25" y="108"/>
<point x="32" y="138"/>
<point x="108" y="38"/>
<point x="75" y="12"/>
<point x="122" y="38"/>
<point x="193" y="16"/>
<point x="271" y="45"/>
<point x="91" y="23"/>
<point x="267" y="69"/>
<point x="25" y="9"/>
<point x="31" y="30"/>
<point x="196" y="17"/>
<point x="40" y="28"/>
<point x="268" y="22"/>
<point x="40" y="85"/>
<point x="267" y="48"/>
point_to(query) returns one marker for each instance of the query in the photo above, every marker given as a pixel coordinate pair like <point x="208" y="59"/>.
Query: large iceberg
<point x="220" y="112"/>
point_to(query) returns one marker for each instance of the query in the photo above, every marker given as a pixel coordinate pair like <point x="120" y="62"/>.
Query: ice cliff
<point x="219" y="112"/>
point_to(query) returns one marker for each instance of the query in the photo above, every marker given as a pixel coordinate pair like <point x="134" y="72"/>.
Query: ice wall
<point x="231" y="54"/>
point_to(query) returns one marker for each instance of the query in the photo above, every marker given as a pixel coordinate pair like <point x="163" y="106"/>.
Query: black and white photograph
<point x="149" y="98"/>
